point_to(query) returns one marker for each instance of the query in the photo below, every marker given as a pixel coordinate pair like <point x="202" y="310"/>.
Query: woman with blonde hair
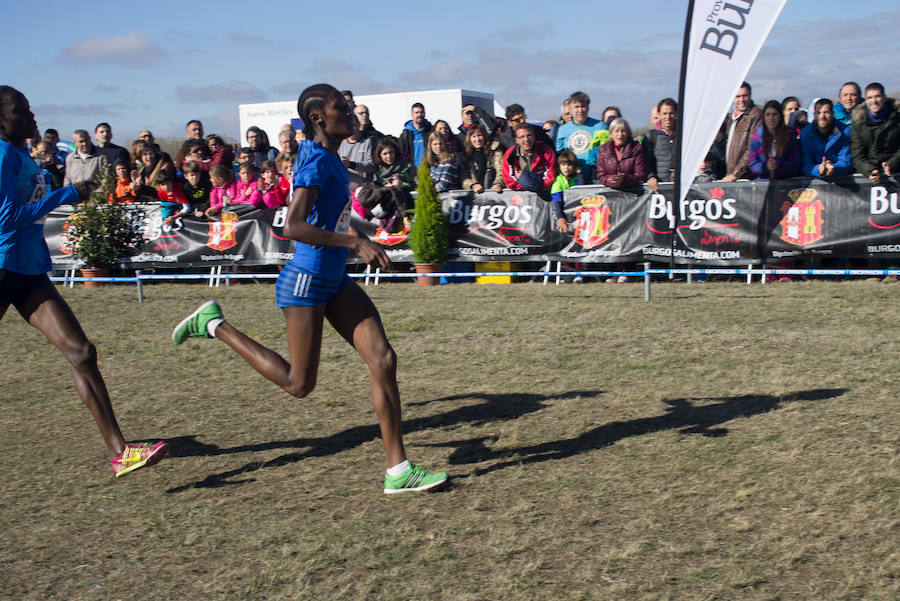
<point x="442" y="165"/>
<point x="621" y="162"/>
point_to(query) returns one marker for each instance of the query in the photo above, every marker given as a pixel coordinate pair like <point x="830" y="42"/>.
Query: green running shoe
<point x="413" y="479"/>
<point x="194" y="325"/>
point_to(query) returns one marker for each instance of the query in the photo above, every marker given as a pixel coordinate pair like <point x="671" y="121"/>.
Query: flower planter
<point x="94" y="272"/>
<point x="427" y="268"/>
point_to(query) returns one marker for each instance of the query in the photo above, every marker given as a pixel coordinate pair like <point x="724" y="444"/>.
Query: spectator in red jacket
<point x="621" y="162"/>
<point x="220" y="152"/>
<point x="528" y="165"/>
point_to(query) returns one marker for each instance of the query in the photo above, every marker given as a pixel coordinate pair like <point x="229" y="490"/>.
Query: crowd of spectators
<point x="204" y="177"/>
<point x="860" y="133"/>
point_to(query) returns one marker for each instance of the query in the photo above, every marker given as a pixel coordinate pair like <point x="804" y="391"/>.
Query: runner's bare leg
<point x="46" y="310"/>
<point x="355" y="317"/>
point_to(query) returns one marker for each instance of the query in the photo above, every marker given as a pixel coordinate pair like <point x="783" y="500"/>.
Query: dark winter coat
<point x="872" y="144"/>
<point x="660" y="149"/>
<point x="632" y="164"/>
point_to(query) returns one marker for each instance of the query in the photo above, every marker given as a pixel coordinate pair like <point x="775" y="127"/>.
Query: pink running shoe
<point x="137" y="455"/>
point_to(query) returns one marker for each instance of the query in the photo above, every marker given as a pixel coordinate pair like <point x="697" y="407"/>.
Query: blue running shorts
<point x="297" y="288"/>
<point x="15" y="287"/>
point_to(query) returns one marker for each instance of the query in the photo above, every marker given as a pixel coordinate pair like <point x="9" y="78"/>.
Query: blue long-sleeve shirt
<point x="578" y="139"/>
<point x="835" y="148"/>
<point x="24" y="200"/>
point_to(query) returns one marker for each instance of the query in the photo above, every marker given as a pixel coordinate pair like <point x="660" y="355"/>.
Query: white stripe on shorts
<point x="301" y="288"/>
<point x="307" y="281"/>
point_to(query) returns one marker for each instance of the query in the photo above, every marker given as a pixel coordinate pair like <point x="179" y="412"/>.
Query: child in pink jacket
<point x="246" y="185"/>
<point x="268" y="191"/>
<point x="224" y="189"/>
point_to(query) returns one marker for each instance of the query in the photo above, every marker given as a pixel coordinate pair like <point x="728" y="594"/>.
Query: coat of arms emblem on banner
<point x="222" y="234"/>
<point x="592" y="221"/>
<point x="802" y="219"/>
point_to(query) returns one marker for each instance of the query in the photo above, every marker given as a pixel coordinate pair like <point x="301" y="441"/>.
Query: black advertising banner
<point x="242" y="235"/>
<point x="852" y="218"/>
<point x="727" y="223"/>
<point x="606" y="225"/>
<point x="507" y="226"/>
<point x="716" y="224"/>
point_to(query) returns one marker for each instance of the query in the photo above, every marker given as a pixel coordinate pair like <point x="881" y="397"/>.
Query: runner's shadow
<point x="495" y="407"/>
<point x="681" y="414"/>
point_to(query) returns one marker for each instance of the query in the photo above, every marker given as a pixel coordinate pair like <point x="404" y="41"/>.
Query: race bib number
<point x="343" y="223"/>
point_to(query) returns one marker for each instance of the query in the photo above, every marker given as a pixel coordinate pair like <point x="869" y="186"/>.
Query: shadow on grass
<point x="495" y="407"/>
<point x="681" y="414"/>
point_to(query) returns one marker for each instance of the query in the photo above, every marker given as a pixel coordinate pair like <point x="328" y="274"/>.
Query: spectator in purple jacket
<point x="621" y="162"/>
<point x="774" y="149"/>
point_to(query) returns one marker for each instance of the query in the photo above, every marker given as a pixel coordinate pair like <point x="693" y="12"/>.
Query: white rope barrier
<point x="215" y="276"/>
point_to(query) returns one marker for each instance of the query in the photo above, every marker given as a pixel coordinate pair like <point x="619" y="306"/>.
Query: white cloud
<point x="132" y="49"/>
<point x="247" y="40"/>
<point x="327" y="65"/>
<point x="231" y="91"/>
<point x="288" y="89"/>
<point x="97" y="111"/>
<point x="224" y="123"/>
<point x="807" y="59"/>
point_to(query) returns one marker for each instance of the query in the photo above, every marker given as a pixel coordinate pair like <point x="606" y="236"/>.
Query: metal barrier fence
<point x="216" y="277"/>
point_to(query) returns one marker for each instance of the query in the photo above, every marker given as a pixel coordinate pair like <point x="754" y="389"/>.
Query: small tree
<point x="102" y="231"/>
<point x="428" y="235"/>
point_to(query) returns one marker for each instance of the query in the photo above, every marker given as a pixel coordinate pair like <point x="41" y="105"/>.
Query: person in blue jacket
<point x="849" y="97"/>
<point x="24" y="263"/>
<point x="314" y="286"/>
<point x="825" y="144"/>
<point x="415" y="134"/>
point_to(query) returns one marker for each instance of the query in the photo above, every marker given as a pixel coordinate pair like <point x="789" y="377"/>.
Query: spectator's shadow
<point x="681" y="414"/>
<point x="494" y="408"/>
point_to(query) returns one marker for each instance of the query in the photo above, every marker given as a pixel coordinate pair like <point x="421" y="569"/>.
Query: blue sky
<point x="155" y="65"/>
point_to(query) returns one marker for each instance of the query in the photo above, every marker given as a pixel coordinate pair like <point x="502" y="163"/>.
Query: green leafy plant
<point x="100" y="231"/>
<point x="428" y="235"/>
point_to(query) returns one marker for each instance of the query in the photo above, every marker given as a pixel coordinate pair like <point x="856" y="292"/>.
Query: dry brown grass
<point x="721" y="442"/>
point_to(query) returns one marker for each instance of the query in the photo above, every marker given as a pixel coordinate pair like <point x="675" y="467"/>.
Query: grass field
<point x="723" y="441"/>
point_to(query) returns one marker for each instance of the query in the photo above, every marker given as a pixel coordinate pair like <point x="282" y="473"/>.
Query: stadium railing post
<point x="647" y="282"/>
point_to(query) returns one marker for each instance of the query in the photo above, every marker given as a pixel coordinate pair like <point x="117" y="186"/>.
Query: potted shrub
<point x="100" y="232"/>
<point x="428" y="234"/>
